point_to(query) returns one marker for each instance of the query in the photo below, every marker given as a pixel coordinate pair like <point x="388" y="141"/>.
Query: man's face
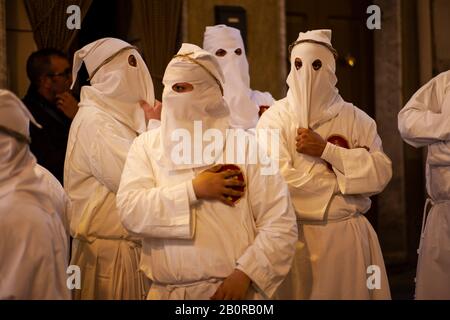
<point x="60" y="76"/>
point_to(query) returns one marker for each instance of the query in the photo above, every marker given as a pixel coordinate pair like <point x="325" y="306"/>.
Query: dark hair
<point x="39" y="63"/>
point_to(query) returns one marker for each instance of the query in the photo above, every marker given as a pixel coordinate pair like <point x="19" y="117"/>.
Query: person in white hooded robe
<point x="33" y="207"/>
<point x="245" y="104"/>
<point x="109" y="119"/>
<point x="425" y="121"/>
<point x="330" y="185"/>
<point x="197" y="243"/>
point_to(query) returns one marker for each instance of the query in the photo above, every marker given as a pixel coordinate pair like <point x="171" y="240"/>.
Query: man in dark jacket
<point x="52" y="105"/>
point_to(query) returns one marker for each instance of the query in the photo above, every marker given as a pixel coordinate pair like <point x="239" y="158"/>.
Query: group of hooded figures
<point x="144" y="226"/>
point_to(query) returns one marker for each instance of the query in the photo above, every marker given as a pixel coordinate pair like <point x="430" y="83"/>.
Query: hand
<point x="234" y="287"/>
<point x="211" y="185"/>
<point x="310" y="143"/>
<point x="67" y="104"/>
<point x="151" y="112"/>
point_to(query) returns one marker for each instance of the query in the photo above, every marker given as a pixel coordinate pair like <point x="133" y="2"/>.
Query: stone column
<point x="3" y="53"/>
<point x="392" y="228"/>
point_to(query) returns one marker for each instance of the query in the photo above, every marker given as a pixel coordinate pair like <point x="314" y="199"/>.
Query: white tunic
<point x="190" y="246"/>
<point x="425" y="121"/>
<point x="107" y="255"/>
<point x="33" y="238"/>
<point x="336" y="243"/>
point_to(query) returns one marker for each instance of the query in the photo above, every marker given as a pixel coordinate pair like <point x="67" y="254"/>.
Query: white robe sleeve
<point x="58" y="195"/>
<point x="107" y="155"/>
<point x="439" y="154"/>
<point x="293" y="177"/>
<point x="302" y="185"/>
<point x="150" y="211"/>
<point x="358" y="170"/>
<point x="426" y="117"/>
<point x="268" y="260"/>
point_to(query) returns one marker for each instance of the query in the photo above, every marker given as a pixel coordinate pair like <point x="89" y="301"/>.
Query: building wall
<point x="20" y="44"/>
<point x="265" y="38"/>
<point x="425" y="40"/>
<point x="441" y="25"/>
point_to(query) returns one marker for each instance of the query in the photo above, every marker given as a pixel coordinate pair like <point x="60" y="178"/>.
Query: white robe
<point x="190" y="246"/>
<point x="425" y="121"/>
<point x="33" y="238"/>
<point x="336" y="243"/>
<point x="107" y="255"/>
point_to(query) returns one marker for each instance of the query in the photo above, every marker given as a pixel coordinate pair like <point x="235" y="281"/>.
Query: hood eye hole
<point x="238" y="51"/>
<point x="298" y="63"/>
<point x="317" y="64"/>
<point x="182" y="87"/>
<point x="132" y="60"/>
<point x="221" y="52"/>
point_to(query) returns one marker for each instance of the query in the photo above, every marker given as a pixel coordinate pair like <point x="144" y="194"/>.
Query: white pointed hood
<point x="181" y="110"/>
<point x="17" y="164"/>
<point x="313" y="97"/>
<point x="119" y="80"/>
<point x="15" y="117"/>
<point x="234" y="64"/>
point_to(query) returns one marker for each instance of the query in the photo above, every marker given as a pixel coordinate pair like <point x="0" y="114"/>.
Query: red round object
<point x="339" y="141"/>
<point x="240" y="177"/>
